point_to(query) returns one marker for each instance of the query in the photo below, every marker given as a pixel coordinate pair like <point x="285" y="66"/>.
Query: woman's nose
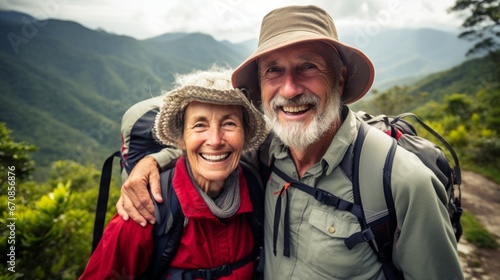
<point x="215" y="136"/>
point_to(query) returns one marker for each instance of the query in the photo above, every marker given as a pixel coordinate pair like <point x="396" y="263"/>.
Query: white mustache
<point x="302" y="99"/>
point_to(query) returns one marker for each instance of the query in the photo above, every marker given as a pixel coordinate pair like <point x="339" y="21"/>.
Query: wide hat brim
<point x="168" y="125"/>
<point x="300" y="24"/>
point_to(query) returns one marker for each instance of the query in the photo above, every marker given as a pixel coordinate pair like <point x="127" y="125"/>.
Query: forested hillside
<point x="467" y="78"/>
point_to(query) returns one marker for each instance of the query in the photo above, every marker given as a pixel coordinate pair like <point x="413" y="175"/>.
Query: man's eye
<point x="273" y="69"/>
<point x="308" y="69"/>
<point x="308" y="66"/>
<point x="272" y="72"/>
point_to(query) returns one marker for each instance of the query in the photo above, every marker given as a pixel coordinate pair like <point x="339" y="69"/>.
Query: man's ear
<point x="341" y="81"/>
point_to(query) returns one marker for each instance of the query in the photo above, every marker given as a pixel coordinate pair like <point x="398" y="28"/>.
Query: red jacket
<point x="125" y="248"/>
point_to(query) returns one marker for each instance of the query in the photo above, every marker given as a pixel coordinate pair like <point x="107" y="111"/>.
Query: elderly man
<point x="305" y="78"/>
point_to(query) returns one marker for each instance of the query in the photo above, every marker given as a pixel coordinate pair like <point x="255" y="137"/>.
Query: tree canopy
<point x="482" y="24"/>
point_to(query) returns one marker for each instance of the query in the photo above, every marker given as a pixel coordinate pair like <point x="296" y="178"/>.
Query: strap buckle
<point x="222" y="270"/>
<point x="367" y="234"/>
<point x="359" y="237"/>
<point x="326" y="198"/>
<point x="213" y="273"/>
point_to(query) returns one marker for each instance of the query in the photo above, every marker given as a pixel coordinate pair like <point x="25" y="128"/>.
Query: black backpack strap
<point x="265" y="159"/>
<point x="385" y="238"/>
<point x="102" y="199"/>
<point x="323" y="197"/>
<point x="256" y="192"/>
<point x="168" y="229"/>
<point x="209" y="273"/>
<point x="389" y="201"/>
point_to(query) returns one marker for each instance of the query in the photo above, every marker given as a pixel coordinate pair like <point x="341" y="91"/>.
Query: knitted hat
<point x="298" y="24"/>
<point x="170" y="120"/>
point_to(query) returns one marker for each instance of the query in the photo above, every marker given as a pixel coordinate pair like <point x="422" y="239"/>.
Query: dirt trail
<point x="481" y="197"/>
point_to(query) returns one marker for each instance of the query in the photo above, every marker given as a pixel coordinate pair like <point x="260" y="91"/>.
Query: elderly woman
<point x="213" y="124"/>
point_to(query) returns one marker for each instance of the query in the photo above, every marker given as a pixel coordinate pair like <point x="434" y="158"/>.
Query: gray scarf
<point x="228" y="201"/>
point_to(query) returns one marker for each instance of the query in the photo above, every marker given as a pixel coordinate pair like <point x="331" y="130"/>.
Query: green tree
<point x="481" y="25"/>
<point x="488" y="101"/>
<point x="14" y="157"/>
<point x="459" y="105"/>
<point x="54" y="229"/>
<point x="470" y="125"/>
<point x="50" y="236"/>
<point x="395" y="101"/>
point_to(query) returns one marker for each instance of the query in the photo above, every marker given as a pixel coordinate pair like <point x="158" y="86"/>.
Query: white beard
<point x="295" y="134"/>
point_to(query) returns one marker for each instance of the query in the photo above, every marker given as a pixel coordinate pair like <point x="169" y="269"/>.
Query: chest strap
<point x="210" y="273"/>
<point x="323" y="197"/>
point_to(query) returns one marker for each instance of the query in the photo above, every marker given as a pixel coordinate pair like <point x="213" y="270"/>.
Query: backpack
<point x="430" y="154"/>
<point x="138" y="142"/>
<point x="379" y="224"/>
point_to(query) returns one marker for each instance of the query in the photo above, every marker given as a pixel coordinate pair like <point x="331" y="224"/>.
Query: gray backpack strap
<point x="371" y="176"/>
<point x="367" y="157"/>
<point x="374" y="150"/>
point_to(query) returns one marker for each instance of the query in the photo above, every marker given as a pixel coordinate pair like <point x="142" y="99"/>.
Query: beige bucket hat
<point x="169" y="121"/>
<point x="298" y="24"/>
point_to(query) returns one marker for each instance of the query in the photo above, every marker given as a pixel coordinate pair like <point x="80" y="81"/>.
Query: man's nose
<point x="291" y="86"/>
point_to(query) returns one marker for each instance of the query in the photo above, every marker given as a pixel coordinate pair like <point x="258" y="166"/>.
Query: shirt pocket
<point x="327" y="252"/>
<point x="334" y="223"/>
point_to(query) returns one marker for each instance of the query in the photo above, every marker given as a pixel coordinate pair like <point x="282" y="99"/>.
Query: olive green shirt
<point x="425" y="246"/>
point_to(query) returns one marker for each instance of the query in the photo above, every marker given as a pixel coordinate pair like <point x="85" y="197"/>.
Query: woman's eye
<point x="199" y="126"/>
<point x="229" y="124"/>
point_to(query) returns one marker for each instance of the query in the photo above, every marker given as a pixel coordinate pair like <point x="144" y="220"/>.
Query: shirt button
<point x="331" y="229"/>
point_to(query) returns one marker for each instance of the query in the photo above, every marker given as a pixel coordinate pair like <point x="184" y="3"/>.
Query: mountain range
<point x="64" y="87"/>
<point x="402" y="56"/>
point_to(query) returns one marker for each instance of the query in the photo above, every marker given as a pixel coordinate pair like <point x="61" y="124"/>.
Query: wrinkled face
<point x="299" y="96"/>
<point x="213" y="139"/>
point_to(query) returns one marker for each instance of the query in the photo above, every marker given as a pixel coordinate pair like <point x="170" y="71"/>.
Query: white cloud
<point x="234" y="20"/>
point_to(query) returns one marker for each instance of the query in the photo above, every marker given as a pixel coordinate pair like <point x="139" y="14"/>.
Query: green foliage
<point x="58" y="223"/>
<point x="52" y="222"/>
<point x="14" y="157"/>
<point x="475" y="233"/>
<point x="394" y="100"/>
<point x="459" y="105"/>
<point x="469" y="122"/>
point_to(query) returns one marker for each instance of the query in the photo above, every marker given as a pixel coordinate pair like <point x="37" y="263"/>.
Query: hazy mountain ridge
<point x="409" y="54"/>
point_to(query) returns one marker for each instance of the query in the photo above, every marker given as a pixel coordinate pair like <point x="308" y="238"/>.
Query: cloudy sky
<point x="234" y="20"/>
